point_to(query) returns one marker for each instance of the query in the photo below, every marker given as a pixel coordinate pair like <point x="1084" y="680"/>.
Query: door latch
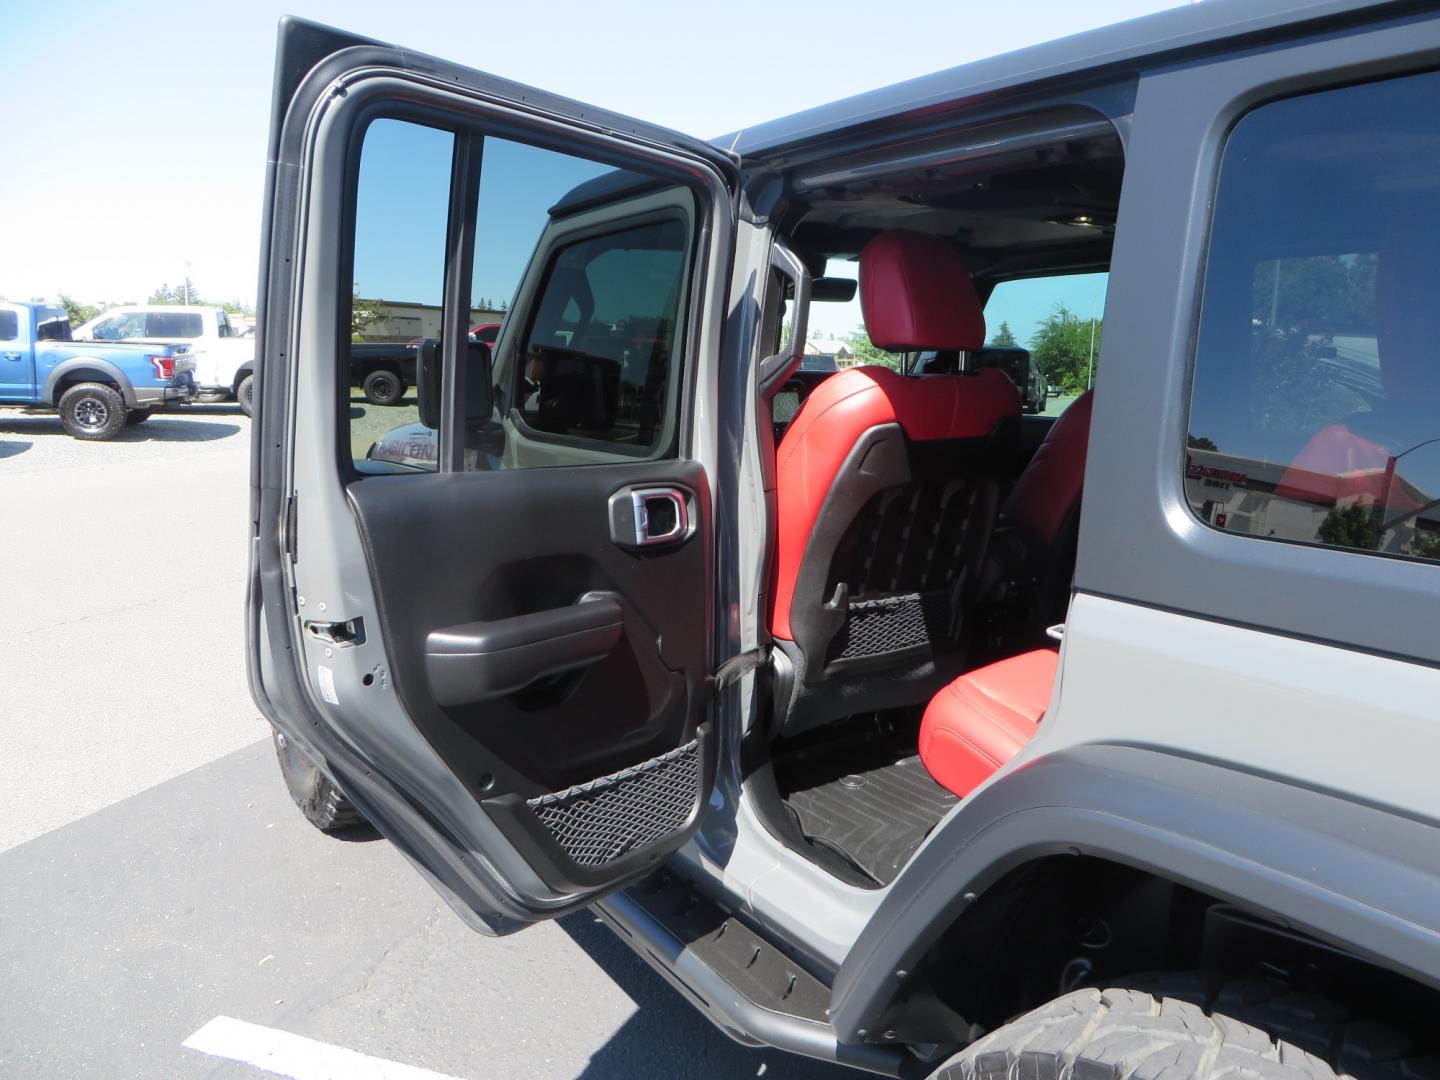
<point x="342" y="635"/>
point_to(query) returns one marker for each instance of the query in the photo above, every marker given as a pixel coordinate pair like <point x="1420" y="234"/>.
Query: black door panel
<point x="450" y="550"/>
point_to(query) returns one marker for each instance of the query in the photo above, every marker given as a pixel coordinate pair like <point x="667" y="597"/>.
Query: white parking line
<point x="295" y="1056"/>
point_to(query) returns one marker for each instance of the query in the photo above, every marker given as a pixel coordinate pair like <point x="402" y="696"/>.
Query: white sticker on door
<point x="327" y="684"/>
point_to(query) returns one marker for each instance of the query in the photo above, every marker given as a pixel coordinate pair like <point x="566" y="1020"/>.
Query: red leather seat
<point x="1048" y="491"/>
<point x="984" y="718"/>
<point x="886" y="493"/>
<point x="1033" y="555"/>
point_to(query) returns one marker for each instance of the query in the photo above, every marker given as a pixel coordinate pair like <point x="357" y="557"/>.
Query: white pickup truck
<point x="224" y="361"/>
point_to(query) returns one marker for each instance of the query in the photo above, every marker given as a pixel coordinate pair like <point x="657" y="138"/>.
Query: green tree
<point x="1350" y="526"/>
<point x="77" y="312"/>
<point x="1063" y="347"/>
<point x="1004" y="337"/>
<point x="363" y="313"/>
<point x="867" y="352"/>
<point x="184" y="293"/>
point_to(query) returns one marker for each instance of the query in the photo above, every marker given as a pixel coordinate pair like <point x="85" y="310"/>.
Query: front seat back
<point x="886" y="494"/>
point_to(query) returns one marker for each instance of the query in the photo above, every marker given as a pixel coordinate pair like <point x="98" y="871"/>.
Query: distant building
<point x="404" y="321"/>
<point x="842" y="352"/>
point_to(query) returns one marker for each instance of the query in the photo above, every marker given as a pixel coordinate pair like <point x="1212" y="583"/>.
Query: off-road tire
<point x="245" y="395"/>
<point x="320" y="801"/>
<point x="136" y="416"/>
<point x="383" y="387"/>
<point x="92" y="411"/>
<point x="1190" y="1028"/>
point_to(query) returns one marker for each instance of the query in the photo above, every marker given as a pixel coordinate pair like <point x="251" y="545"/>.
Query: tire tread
<point x="1191" y="1027"/>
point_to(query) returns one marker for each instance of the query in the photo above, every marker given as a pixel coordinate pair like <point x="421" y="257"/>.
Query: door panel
<point x="507" y="668"/>
<point x="449" y="550"/>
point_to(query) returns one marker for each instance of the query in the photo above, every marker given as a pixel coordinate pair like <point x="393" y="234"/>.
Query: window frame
<point x="437" y="110"/>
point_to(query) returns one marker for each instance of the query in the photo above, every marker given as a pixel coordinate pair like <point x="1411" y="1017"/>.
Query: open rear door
<point x="482" y="576"/>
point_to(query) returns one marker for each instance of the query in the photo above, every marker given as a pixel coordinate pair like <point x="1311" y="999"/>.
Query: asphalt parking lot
<point x="156" y="886"/>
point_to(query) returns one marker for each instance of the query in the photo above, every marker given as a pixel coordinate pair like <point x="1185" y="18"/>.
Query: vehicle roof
<point x="185" y="308"/>
<point x="1192" y="29"/>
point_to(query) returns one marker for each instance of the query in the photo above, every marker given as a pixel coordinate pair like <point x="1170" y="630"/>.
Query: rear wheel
<point x="319" y="800"/>
<point x="1183" y="1028"/>
<point x="92" y="411"/>
<point x="245" y="395"/>
<point x="383" y="387"/>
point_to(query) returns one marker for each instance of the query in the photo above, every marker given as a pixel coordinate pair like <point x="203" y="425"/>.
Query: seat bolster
<point x="985" y="717"/>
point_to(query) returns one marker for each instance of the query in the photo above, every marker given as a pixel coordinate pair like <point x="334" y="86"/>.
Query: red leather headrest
<point x="915" y="293"/>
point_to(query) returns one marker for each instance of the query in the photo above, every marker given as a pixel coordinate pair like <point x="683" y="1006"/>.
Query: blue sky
<point x="135" y="133"/>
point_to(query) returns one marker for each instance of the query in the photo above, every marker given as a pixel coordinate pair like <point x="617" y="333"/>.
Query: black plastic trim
<point x="488" y="659"/>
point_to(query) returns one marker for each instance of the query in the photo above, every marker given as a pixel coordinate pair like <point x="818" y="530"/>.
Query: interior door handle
<point x="482" y="660"/>
<point x="651" y="514"/>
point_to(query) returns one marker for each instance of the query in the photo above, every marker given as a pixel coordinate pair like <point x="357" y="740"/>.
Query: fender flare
<point x="1356" y="876"/>
<point x="76" y="363"/>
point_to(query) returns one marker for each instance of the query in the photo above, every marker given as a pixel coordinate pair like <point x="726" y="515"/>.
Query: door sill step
<point x="748" y="988"/>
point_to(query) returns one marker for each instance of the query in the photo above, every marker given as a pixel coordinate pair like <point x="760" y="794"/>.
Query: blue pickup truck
<point x="98" y="387"/>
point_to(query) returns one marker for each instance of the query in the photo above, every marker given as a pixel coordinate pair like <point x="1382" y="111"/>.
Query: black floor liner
<point x="876" y="819"/>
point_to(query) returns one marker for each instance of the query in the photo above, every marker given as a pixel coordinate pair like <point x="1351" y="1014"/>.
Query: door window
<point x="594" y="262"/>
<point x="1313" y="414"/>
<point x="9" y="324"/>
<point x="402" y="205"/>
<point x="121" y="327"/>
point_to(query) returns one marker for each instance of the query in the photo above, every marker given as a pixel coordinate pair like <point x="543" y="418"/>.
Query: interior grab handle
<point x="774" y="370"/>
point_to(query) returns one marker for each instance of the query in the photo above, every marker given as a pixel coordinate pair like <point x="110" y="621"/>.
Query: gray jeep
<point x="892" y="726"/>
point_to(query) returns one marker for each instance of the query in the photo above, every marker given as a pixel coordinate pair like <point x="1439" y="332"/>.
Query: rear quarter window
<point x="174" y="325"/>
<point x="1315" y="405"/>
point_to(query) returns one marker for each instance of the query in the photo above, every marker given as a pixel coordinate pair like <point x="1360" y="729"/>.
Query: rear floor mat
<point x="876" y="819"/>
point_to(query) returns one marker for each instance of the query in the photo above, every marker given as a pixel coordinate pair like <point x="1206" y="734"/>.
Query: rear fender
<point x="86" y="369"/>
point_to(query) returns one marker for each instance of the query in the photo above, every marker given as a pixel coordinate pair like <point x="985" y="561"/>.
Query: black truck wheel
<point x="383" y="387"/>
<point x="92" y="411"/>
<point x="322" y="803"/>
<point x="1176" y="1028"/>
<point x="245" y="395"/>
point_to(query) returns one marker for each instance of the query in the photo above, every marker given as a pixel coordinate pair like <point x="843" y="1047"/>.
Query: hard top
<point x="1191" y="30"/>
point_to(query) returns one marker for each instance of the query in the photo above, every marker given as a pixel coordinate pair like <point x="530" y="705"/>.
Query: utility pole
<point x="1090" y="365"/>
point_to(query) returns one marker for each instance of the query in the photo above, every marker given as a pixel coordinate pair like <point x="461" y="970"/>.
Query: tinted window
<point x="1315" y="410"/>
<point x="9" y="325"/>
<point x="402" y="205"/>
<point x="599" y="352"/>
<point x="174" y="324"/>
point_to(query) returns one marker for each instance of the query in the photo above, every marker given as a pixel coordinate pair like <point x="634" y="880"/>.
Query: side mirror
<point x="429" y="372"/>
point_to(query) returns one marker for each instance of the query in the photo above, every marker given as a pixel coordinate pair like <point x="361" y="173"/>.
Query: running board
<point x="748" y="988"/>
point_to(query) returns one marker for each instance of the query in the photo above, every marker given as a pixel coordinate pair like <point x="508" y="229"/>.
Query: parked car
<point x="1022" y="370"/>
<point x="224" y="357"/>
<point x="96" y="387"/>
<point x="384" y="371"/>
<point x="909" y="743"/>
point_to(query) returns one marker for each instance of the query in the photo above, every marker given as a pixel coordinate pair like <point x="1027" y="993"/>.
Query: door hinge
<point x="737" y="666"/>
